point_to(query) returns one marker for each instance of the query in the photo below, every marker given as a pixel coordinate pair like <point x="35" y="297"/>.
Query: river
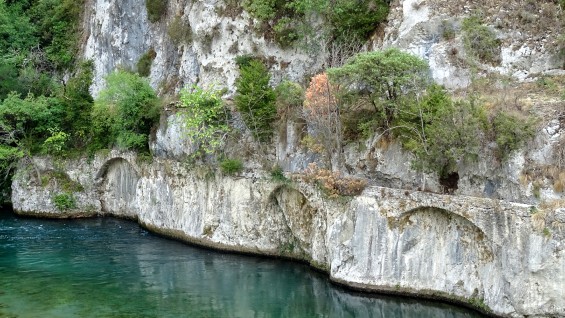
<point x="106" y="267"/>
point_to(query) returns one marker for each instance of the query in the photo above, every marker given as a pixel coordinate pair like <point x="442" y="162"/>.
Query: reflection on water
<point x="112" y="268"/>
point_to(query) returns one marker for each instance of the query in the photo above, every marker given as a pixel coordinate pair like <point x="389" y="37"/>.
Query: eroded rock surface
<point x="486" y="251"/>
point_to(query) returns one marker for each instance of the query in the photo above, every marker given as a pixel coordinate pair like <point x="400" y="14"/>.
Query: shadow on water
<point x="105" y="267"/>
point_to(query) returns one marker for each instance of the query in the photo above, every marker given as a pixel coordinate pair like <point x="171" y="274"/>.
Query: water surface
<point x="105" y="267"/>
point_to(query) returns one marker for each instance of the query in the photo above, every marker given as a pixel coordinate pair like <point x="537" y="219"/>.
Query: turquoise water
<point x="105" y="267"/>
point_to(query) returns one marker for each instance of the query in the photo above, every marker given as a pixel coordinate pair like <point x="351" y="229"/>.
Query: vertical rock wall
<point x="486" y="252"/>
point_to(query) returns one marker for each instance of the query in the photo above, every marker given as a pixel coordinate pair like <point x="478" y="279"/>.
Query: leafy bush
<point x="290" y="95"/>
<point x="354" y="19"/>
<point x="26" y="121"/>
<point x="206" y="117"/>
<point x="144" y="63"/>
<point x="255" y="99"/>
<point x="124" y="112"/>
<point x="380" y="80"/>
<point x="510" y="133"/>
<point x="277" y="174"/>
<point x="231" y="166"/>
<point x="480" y="41"/>
<point x="77" y="103"/>
<point x="180" y="31"/>
<point x="64" y="201"/>
<point x="155" y="9"/>
<point x="56" y="143"/>
<point x="440" y="132"/>
<point x="59" y="27"/>
<point x="346" y="20"/>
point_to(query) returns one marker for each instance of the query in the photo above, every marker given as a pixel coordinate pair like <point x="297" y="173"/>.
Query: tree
<point x="255" y="98"/>
<point x="124" y="112"/>
<point x="381" y="79"/>
<point x="322" y="114"/>
<point x="441" y="132"/>
<point x="206" y="117"/>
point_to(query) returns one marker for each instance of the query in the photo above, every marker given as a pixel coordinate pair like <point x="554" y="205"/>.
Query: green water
<point x="106" y="267"/>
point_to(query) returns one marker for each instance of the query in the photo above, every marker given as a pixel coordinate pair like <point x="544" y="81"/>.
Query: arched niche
<point x="117" y="183"/>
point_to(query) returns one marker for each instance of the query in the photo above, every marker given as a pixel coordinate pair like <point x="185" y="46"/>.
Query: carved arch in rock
<point x="117" y="185"/>
<point x="433" y="242"/>
<point x="298" y="215"/>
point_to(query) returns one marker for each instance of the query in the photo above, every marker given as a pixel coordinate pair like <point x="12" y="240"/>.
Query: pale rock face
<point x="416" y="26"/>
<point x="385" y="239"/>
<point x="119" y="33"/>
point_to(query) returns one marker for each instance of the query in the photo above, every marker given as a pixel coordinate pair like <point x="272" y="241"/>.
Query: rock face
<point x="194" y="42"/>
<point x="470" y="247"/>
<point x="482" y="251"/>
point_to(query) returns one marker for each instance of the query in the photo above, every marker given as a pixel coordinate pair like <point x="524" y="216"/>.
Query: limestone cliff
<point x="485" y="252"/>
<point x="497" y="242"/>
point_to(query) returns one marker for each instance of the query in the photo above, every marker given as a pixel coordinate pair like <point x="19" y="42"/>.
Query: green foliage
<point x="440" y="132"/>
<point x="124" y="112"/>
<point x="263" y="9"/>
<point x="206" y="117"/>
<point x="155" y="9"/>
<point x="380" y="79"/>
<point x="289" y="94"/>
<point x="26" y="121"/>
<point x="346" y="20"/>
<point x="9" y="157"/>
<point x="64" y="201"/>
<point x="59" y="29"/>
<point x="277" y="175"/>
<point x="56" y="143"/>
<point x="17" y="32"/>
<point x="447" y="30"/>
<point x="289" y="98"/>
<point x="510" y="133"/>
<point x="180" y="31"/>
<point x="480" y="41"/>
<point x="355" y="19"/>
<point x="62" y="180"/>
<point x="255" y="99"/>
<point x="77" y="103"/>
<point x="231" y="166"/>
<point x="546" y="232"/>
<point x="144" y="63"/>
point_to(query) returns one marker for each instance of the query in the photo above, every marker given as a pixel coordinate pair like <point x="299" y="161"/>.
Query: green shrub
<point x="124" y="112"/>
<point x="206" y="117"/>
<point x="510" y="133"/>
<point x="180" y="31"/>
<point x="56" y="143"/>
<point x="64" y="201"/>
<point x="155" y="9"/>
<point x="347" y="20"/>
<point x="59" y="27"/>
<point x="354" y="20"/>
<point x="231" y="166"/>
<point x="277" y="174"/>
<point x="289" y="98"/>
<point x="144" y="63"/>
<point x="447" y="30"/>
<point x="441" y="132"/>
<point x="78" y="102"/>
<point x="480" y="41"/>
<point x="380" y="80"/>
<point x="26" y="122"/>
<point x="255" y="99"/>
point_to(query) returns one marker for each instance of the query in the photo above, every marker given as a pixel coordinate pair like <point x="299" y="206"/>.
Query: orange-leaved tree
<point x="322" y="114"/>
